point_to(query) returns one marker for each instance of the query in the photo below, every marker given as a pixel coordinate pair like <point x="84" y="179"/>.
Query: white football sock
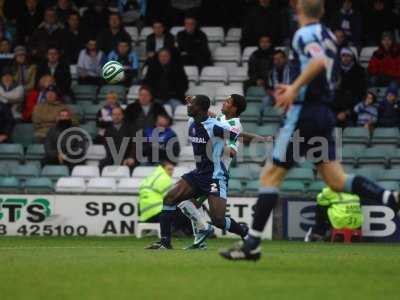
<point x="194" y="214"/>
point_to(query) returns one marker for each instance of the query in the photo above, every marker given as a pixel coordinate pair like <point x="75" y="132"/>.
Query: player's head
<point x="198" y="105"/>
<point x="168" y="166"/>
<point x="234" y="105"/>
<point x="312" y="9"/>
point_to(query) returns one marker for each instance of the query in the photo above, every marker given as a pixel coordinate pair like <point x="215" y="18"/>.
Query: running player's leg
<point x="180" y="192"/>
<point x="218" y="218"/>
<point x="335" y="177"/>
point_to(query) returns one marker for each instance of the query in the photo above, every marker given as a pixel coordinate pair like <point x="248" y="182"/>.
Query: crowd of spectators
<point x="39" y="40"/>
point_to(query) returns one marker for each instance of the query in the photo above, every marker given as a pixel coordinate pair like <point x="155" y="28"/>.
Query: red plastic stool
<point x="348" y="234"/>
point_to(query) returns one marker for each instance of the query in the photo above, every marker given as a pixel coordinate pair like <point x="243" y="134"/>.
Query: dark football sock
<point x="232" y="226"/>
<point x="167" y="217"/>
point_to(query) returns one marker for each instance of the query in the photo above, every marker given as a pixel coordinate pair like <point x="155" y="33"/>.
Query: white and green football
<point x="113" y="72"/>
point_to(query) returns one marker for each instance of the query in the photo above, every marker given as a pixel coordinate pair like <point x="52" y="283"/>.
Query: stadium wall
<point x="88" y="215"/>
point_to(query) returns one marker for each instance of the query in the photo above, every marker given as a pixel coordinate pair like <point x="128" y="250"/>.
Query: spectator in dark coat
<point x="52" y="154"/>
<point x="352" y="88"/>
<point x="167" y="79"/>
<point x="118" y="132"/>
<point x="389" y="110"/>
<point x="162" y="141"/>
<point x="260" y="63"/>
<point x="7" y="123"/>
<point x="143" y="113"/>
<point x="63" y="9"/>
<point x="261" y="20"/>
<point x="289" y="23"/>
<point x="349" y="20"/>
<point x="384" y="65"/>
<point x="193" y="45"/>
<point x="59" y="69"/>
<point x="341" y="39"/>
<point x="49" y="32"/>
<point x="75" y="38"/>
<point x="379" y="20"/>
<point x="108" y="39"/>
<point x="28" y="20"/>
<point x="160" y="38"/>
<point x="95" y="18"/>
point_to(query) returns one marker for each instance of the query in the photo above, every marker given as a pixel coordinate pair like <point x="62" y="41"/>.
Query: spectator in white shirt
<point x="11" y="93"/>
<point x="89" y="63"/>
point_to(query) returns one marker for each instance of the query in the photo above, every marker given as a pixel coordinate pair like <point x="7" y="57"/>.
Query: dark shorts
<point x="204" y="184"/>
<point x="307" y="133"/>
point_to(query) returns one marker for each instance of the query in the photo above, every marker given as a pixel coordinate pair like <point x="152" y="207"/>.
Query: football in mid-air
<point x="113" y="72"/>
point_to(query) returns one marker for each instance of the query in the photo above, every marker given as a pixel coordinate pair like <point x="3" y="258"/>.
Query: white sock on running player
<point x="194" y="214"/>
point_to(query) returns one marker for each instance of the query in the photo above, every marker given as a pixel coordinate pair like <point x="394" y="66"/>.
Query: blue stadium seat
<point x="356" y="135"/>
<point x="11" y="152"/>
<point x="35" y="152"/>
<point x="24" y="134"/>
<point x="40" y="185"/>
<point x="24" y="172"/>
<point x="10" y="185"/>
<point x="54" y="172"/>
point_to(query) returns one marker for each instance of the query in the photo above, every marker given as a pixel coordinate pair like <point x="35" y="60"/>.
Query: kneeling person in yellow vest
<point x="152" y="191"/>
<point x="335" y="210"/>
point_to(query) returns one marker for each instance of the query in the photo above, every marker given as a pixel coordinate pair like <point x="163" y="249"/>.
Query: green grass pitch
<point x="120" y="268"/>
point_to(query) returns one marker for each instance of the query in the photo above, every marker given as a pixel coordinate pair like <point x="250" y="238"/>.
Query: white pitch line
<point x="61" y="247"/>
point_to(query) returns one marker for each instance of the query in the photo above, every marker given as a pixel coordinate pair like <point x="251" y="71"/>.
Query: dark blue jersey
<point x="208" y="141"/>
<point x="315" y="40"/>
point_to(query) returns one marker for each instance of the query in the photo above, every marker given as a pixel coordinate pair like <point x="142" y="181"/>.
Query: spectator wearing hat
<point x="28" y="20"/>
<point x="23" y="70"/>
<point x="7" y="123"/>
<point x="49" y="33"/>
<point x="389" y="109"/>
<point x="59" y="69"/>
<point x="128" y="58"/>
<point x="108" y="39"/>
<point x="11" y="92"/>
<point x="352" y="88"/>
<point x="384" y="65"/>
<point x="378" y="20"/>
<point x="45" y="114"/>
<point x="89" y="63"/>
<point x="367" y="111"/>
<point x="36" y="96"/>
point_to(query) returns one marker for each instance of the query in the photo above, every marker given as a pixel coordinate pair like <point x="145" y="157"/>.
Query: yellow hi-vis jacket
<point x="344" y="209"/>
<point x="151" y="193"/>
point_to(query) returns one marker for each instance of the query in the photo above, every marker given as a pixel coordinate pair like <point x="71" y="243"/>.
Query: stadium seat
<point x="39" y="185"/>
<point x="233" y="36"/>
<point x="366" y="54"/>
<point x="247" y="52"/>
<point x="85" y="92"/>
<point x="356" y="135"/>
<point x="255" y="152"/>
<point x="385" y="136"/>
<point x="249" y="126"/>
<point x="390" y="185"/>
<point x="146" y="31"/>
<point x="73" y="69"/>
<point x="350" y="153"/>
<point x="390" y="175"/>
<point x="213" y="76"/>
<point x="252" y="187"/>
<point x="272" y="115"/>
<point x="133" y="32"/>
<point x="300" y="174"/>
<point x="235" y="187"/>
<point x="227" y="57"/>
<point x="315" y="188"/>
<point x="90" y="128"/>
<point x="394" y="159"/>
<point x="251" y="114"/>
<point x="237" y="75"/>
<point x="175" y="30"/>
<point x="180" y="125"/>
<point x="11" y="152"/>
<point x="241" y="172"/>
<point x="371" y="172"/>
<point x="77" y="111"/>
<point x="380" y="91"/>
<point x="267" y="130"/>
<point x="90" y="111"/>
<point x="101" y="185"/>
<point x="24" y="134"/>
<point x="292" y="188"/>
<point x="223" y="92"/>
<point x="142" y="172"/>
<point x="133" y="93"/>
<point x="179" y="171"/>
<point x="202" y="90"/>
<point x="54" y="172"/>
<point x="186" y="154"/>
<point x="214" y="34"/>
<point x="116" y="172"/>
<point x="96" y="152"/>
<point x="377" y="155"/>
<point x="35" y="152"/>
<point x="255" y="94"/>
<point x="120" y="90"/>
<point x="192" y="72"/>
<point x="10" y="185"/>
<point x="26" y="171"/>
<point x="85" y="172"/>
<point x="4" y="169"/>
<point x="128" y="185"/>
<point x="70" y="185"/>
